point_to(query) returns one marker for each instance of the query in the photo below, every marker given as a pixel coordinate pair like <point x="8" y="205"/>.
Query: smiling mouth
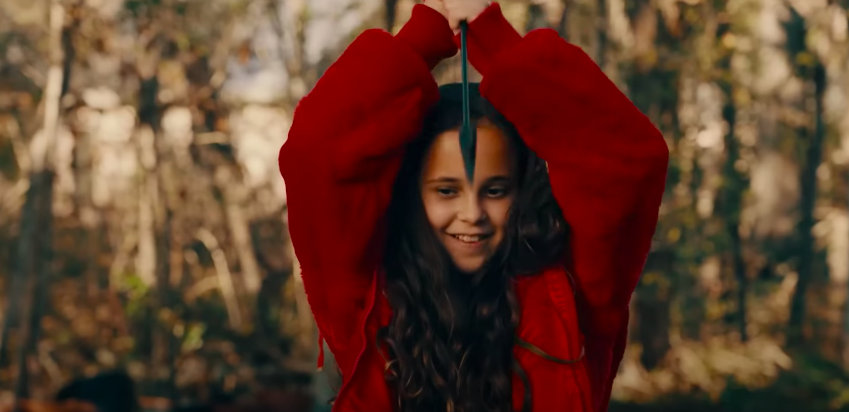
<point x="471" y="238"/>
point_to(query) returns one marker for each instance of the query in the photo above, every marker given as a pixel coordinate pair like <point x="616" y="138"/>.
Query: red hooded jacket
<point x="607" y="166"/>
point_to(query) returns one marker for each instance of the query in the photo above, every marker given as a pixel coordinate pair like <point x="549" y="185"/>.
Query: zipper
<point x="335" y="408"/>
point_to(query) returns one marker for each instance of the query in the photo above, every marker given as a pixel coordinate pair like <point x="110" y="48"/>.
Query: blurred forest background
<point x="143" y="219"/>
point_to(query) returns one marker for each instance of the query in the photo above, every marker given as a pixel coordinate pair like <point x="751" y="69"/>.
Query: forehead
<point x="493" y="155"/>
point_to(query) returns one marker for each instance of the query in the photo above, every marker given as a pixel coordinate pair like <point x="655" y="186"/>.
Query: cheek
<point x="497" y="211"/>
<point x="439" y="213"/>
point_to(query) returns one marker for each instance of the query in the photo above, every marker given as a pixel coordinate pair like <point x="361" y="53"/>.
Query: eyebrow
<point x="499" y="179"/>
<point x="446" y="179"/>
<point x="442" y="180"/>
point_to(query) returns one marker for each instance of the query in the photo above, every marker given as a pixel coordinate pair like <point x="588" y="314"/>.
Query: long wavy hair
<point x="449" y="343"/>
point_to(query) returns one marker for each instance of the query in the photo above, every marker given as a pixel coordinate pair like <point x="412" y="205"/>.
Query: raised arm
<point x="341" y="158"/>
<point x="607" y="165"/>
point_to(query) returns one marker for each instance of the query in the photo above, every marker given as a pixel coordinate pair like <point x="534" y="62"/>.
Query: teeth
<point x="468" y="238"/>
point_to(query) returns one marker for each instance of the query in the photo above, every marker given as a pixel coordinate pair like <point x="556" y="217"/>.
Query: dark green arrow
<point x="468" y="131"/>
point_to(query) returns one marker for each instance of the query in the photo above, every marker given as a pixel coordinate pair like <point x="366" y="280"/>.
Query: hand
<point x="468" y="10"/>
<point x="437" y="5"/>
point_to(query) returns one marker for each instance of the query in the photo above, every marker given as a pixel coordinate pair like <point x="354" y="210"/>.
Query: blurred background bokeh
<point x="143" y="219"/>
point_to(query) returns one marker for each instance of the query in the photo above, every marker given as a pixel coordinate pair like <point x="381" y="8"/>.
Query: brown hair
<point x="449" y="343"/>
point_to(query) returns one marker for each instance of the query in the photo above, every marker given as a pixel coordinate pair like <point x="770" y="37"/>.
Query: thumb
<point x="454" y="23"/>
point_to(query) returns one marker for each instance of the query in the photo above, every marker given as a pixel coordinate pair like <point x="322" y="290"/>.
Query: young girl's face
<point x="469" y="218"/>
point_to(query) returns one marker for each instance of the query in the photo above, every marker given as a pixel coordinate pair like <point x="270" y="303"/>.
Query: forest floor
<point x="815" y="386"/>
<point x="753" y="377"/>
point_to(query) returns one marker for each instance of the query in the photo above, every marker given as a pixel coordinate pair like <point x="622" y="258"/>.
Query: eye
<point x="446" y="191"/>
<point x="496" y="192"/>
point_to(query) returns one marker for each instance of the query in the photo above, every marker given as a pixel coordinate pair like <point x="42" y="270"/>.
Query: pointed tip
<point x="468" y="145"/>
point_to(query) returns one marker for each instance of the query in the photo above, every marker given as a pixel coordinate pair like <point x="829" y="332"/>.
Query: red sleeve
<point x="607" y="165"/>
<point x="341" y="157"/>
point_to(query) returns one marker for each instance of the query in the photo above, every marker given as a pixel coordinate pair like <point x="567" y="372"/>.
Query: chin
<point x="469" y="266"/>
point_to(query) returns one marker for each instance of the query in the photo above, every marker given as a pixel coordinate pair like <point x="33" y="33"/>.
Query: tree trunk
<point x="34" y="241"/>
<point x="154" y="209"/>
<point x="652" y="308"/>
<point x="234" y="193"/>
<point x="391" y="14"/>
<point x="535" y="18"/>
<point x="601" y="33"/>
<point x="730" y="197"/>
<point x="808" y="183"/>
<point x="225" y="278"/>
<point x="563" y="24"/>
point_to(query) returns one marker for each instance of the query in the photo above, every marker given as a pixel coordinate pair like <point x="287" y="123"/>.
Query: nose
<point x="471" y="210"/>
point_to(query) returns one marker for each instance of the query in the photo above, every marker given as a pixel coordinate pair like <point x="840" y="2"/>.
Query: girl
<point x="506" y="292"/>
